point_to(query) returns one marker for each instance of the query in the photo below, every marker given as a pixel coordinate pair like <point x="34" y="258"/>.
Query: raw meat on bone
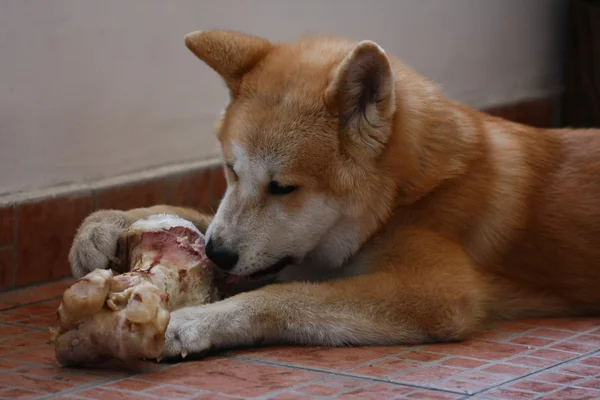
<point x="104" y="315"/>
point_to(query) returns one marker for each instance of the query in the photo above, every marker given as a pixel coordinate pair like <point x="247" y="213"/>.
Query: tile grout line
<point x="338" y="373"/>
<point x="33" y="327"/>
<point x="538" y="371"/>
<point x="32" y="303"/>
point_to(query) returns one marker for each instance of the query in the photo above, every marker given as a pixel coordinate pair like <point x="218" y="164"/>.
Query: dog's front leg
<point x="381" y="308"/>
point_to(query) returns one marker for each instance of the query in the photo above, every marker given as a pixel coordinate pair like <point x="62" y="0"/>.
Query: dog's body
<point x="394" y="214"/>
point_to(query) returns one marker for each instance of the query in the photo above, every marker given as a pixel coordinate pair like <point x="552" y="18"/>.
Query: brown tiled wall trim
<point x="35" y="234"/>
<point x="543" y="113"/>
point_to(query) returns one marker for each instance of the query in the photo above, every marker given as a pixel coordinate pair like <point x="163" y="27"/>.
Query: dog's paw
<point x="189" y="332"/>
<point x="95" y="243"/>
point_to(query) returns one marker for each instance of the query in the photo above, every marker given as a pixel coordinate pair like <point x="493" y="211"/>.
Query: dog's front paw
<point x="189" y="332"/>
<point x="95" y="243"/>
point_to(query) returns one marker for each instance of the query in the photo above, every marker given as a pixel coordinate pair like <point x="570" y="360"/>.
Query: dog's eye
<point x="230" y="168"/>
<point x="278" y="189"/>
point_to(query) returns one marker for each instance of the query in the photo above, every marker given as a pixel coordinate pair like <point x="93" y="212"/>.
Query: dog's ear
<point x="230" y="54"/>
<point x="362" y="93"/>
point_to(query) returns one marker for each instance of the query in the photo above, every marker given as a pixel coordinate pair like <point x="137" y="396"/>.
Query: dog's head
<point x="301" y="139"/>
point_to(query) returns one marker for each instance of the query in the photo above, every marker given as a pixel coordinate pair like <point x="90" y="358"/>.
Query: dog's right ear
<point x="230" y="54"/>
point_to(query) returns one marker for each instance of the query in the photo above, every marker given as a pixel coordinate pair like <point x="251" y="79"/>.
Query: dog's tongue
<point x="232" y="279"/>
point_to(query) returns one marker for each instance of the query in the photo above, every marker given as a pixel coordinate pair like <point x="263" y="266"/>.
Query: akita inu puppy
<point x="384" y="212"/>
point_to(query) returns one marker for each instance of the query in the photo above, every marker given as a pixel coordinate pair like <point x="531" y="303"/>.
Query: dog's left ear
<point x="230" y="54"/>
<point x="362" y="93"/>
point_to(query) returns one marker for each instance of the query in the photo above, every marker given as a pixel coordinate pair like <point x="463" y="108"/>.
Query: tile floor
<point x="548" y="359"/>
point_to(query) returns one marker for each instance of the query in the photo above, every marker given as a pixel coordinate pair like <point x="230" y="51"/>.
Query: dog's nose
<point x="223" y="258"/>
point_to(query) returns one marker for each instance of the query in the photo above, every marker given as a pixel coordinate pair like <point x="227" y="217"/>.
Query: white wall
<point x="92" y="89"/>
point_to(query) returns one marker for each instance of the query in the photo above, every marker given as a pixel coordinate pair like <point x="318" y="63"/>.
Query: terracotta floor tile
<point x="79" y="379"/>
<point x="172" y="392"/>
<point x="554" y="354"/>
<point x="508" y="370"/>
<point x="592" y="383"/>
<point x="105" y="394"/>
<point x="23" y="342"/>
<point x="40" y="322"/>
<point x="46" y="372"/>
<point x="593" y="340"/>
<point x="43" y="355"/>
<point x="509" y="394"/>
<point x="9" y="330"/>
<point x="36" y="309"/>
<point x="34" y="293"/>
<point x="33" y="383"/>
<point x="132" y="384"/>
<point x="421" y="356"/>
<point x="432" y="395"/>
<point x="484" y="377"/>
<point x="319" y="390"/>
<point x="335" y="359"/>
<point x="535" y="386"/>
<point x="291" y="396"/>
<point x="532" y="361"/>
<point x="465" y="387"/>
<point x="6" y="365"/>
<point x="578" y="348"/>
<point x="371" y="371"/>
<point x="532" y="341"/>
<point x="571" y="393"/>
<point x="551" y="333"/>
<point x="21" y="394"/>
<point x="427" y="375"/>
<point x="579" y="369"/>
<point x="557" y="378"/>
<point x="593" y="360"/>
<point x="212" y="396"/>
<point x="231" y="376"/>
<point x="376" y="391"/>
<point x="479" y="349"/>
<point x="396" y="364"/>
<point x="463" y="362"/>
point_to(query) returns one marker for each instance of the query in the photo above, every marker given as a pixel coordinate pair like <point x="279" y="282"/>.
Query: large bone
<point x="104" y="316"/>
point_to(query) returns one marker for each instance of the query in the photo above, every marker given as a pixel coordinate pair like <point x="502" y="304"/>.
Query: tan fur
<point x="426" y="219"/>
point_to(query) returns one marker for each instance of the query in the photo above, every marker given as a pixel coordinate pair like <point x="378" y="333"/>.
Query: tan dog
<point x="417" y="219"/>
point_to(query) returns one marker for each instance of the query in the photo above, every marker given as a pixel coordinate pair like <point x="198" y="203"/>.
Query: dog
<point x="380" y="211"/>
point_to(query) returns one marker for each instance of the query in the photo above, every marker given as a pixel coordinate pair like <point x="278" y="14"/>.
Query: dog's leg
<point x="95" y="244"/>
<point x="402" y="303"/>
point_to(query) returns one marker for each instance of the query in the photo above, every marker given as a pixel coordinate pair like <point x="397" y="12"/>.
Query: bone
<point x="106" y="315"/>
